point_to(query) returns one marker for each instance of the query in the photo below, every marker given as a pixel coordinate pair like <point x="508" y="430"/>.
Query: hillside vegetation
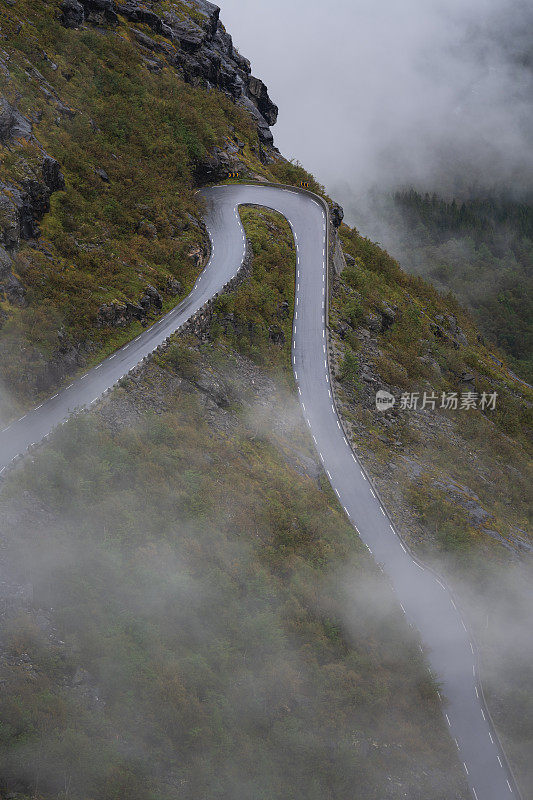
<point x="204" y="621"/>
<point x="457" y="480"/>
<point x="131" y="144"/>
<point x="482" y="251"/>
<point x="186" y="611"/>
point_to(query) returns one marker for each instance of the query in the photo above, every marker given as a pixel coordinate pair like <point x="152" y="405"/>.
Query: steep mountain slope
<point x="188" y="611"/>
<point x="481" y="249"/>
<point x="108" y="123"/>
<point x="191" y="584"/>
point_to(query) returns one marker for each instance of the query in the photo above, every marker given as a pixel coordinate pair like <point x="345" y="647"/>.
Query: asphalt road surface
<point x="426" y="602"/>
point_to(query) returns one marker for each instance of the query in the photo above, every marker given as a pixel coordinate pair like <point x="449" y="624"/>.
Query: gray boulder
<point x="13" y="291"/>
<point x="72" y="14"/>
<point x="12" y="124"/>
<point x="373" y="322"/>
<point x="52" y="174"/>
<point x="174" y="287"/>
<point x="337" y="214"/>
<point x="155" y="298"/>
<point x="388" y="317"/>
<point x="102" y="174"/>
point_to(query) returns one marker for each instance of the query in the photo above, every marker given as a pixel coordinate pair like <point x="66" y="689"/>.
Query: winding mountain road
<point x="424" y="599"/>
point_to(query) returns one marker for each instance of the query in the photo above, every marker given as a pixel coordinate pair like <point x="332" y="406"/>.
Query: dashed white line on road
<point x="466" y="768"/>
<point x="381" y="509"/>
<point x="474" y="793"/>
<point x="448" y="720"/>
<point x="499" y="761"/>
<point x="509" y="785"/>
<point x="490" y="737"/>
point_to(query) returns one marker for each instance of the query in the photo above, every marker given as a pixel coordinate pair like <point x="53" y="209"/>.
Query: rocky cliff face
<point x="25" y="198"/>
<point x="191" y="38"/>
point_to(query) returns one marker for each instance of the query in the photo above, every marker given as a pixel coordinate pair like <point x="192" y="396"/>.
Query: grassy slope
<point x="238" y="638"/>
<point x="482" y="250"/>
<point x="416" y="457"/>
<point x="103" y="241"/>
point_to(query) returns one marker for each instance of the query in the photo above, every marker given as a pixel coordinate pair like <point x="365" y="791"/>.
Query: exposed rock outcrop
<point x="446" y="327"/>
<point x="12" y="124"/>
<point x="337" y="214"/>
<point x="23" y="202"/>
<point x="197" y="45"/>
<point x="118" y="314"/>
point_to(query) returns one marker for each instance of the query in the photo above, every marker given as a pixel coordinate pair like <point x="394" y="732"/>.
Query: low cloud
<point x="434" y="93"/>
